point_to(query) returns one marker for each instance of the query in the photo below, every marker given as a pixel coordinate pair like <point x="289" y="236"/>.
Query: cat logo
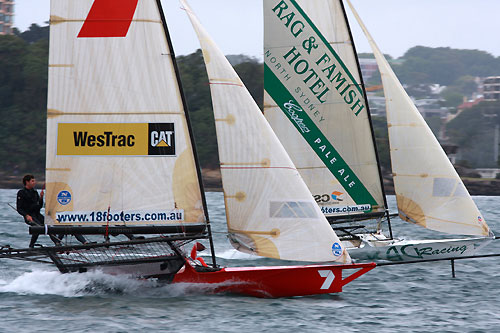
<point x="161" y="139"/>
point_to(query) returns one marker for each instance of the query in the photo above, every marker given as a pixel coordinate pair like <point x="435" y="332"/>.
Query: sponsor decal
<point x="109" y="18"/>
<point x="329" y="277"/>
<point x="294" y="114"/>
<point x="120" y="216"/>
<point x="428" y="251"/>
<point x="161" y="139"/>
<point x="319" y="143"/>
<point x="346" y="209"/>
<point x="303" y="76"/>
<point x="311" y="60"/>
<point x="64" y="197"/>
<point x="120" y="139"/>
<point x="337" y="249"/>
<point x="337" y="196"/>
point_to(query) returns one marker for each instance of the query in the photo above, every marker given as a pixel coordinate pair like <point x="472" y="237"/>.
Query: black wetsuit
<point x="30" y="203"/>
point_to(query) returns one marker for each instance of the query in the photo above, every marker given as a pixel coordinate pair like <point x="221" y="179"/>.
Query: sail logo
<point x="310" y="61"/>
<point x="108" y="18"/>
<point x="161" y="139"/>
<point x="64" y="197"/>
<point x="116" y="139"/>
<point x="329" y="277"/>
<point x="337" y="196"/>
<point x="292" y="110"/>
<point x="337" y="249"/>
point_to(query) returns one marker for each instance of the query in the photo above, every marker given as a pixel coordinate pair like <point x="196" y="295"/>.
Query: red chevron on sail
<point x="109" y="18"/>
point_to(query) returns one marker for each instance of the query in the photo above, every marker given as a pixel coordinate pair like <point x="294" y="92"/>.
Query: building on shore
<point x="368" y="67"/>
<point x="491" y="88"/>
<point x="6" y="17"/>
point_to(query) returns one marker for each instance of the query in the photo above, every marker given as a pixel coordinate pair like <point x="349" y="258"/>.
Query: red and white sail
<point x="118" y="145"/>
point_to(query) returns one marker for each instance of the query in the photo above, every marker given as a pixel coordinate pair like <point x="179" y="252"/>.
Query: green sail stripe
<point x="311" y="133"/>
<point x="327" y="44"/>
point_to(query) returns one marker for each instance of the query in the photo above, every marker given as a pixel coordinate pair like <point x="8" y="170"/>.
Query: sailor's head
<point x="29" y="181"/>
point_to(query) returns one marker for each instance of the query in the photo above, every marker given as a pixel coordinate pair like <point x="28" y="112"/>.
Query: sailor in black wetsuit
<point x="29" y="204"/>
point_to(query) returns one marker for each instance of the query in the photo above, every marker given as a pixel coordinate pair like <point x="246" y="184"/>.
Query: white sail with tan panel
<point x="315" y="103"/>
<point x="118" y="146"/>
<point x="270" y="212"/>
<point x="429" y="191"/>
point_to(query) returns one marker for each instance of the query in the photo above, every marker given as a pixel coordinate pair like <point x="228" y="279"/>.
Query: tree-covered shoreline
<point x="23" y="101"/>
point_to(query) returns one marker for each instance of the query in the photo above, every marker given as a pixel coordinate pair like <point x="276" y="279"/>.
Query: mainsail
<point x="315" y="102"/>
<point x="119" y="151"/>
<point x="429" y="191"/>
<point x="270" y="212"/>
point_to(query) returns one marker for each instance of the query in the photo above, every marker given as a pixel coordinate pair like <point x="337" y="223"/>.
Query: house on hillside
<point x="6" y="16"/>
<point x="491" y="88"/>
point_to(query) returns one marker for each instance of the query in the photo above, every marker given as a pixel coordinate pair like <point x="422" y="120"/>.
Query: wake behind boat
<point x="121" y="160"/>
<point x="315" y="100"/>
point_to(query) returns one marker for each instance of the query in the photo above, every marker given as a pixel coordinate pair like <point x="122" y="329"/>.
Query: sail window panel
<point x="308" y="209"/>
<point x="461" y="191"/>
<point x="295" y="207"/>
<point x="292" y="209"/>
<point x="443" y="187"/>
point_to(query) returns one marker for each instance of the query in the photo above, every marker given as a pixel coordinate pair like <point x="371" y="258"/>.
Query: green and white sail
<point x="118" y="147"/>
<point x="315" y="102"/>
<point x="270" y="211"/>
<point x="429" y="191"/>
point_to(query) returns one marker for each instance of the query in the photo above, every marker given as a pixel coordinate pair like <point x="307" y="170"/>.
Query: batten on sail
<point x="270" y="211"/>
<point x="314" y="101"/>
<point x="429" y="191"/>
<point x="115" y="119"/>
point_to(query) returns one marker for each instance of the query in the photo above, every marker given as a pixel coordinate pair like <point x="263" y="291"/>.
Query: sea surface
<point x="403" y="298"/>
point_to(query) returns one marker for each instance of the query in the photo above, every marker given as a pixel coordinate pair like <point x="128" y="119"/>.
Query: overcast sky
<point x="396" y="25"/>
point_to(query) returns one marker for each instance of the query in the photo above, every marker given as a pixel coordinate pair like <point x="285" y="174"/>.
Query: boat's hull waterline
<point x="273" y="281"/>
<point x="167" y="263"/>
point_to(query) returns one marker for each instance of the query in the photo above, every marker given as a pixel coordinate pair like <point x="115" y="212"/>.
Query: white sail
<point x="270" y="211"/>
<point x="429" y="191"/>
<point x="118" y="146"/>
<point x="315" y="103"/>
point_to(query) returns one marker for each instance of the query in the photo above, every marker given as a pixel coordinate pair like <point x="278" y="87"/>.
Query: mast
<point x="190" y="130"/>
<point x="363" y="86"/>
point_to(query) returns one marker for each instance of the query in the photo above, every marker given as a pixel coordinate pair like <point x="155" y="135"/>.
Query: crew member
<point x="29" y="204"/>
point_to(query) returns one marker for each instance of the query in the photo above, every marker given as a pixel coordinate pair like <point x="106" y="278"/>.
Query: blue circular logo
<point x="337" y="249"/>
<point x="64" y="197"/>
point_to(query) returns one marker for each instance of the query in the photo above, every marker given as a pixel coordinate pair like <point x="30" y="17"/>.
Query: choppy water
<point x="405" y="298"/>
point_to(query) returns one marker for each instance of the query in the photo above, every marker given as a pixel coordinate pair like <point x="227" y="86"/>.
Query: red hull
<point x="274" y="281"/>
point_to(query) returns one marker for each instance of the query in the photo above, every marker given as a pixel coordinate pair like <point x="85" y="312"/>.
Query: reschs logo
<point x="161" y="139"/>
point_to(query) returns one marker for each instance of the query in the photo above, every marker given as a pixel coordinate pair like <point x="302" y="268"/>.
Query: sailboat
<point x="121" y="161"/>
<point x="315" y="100"/>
